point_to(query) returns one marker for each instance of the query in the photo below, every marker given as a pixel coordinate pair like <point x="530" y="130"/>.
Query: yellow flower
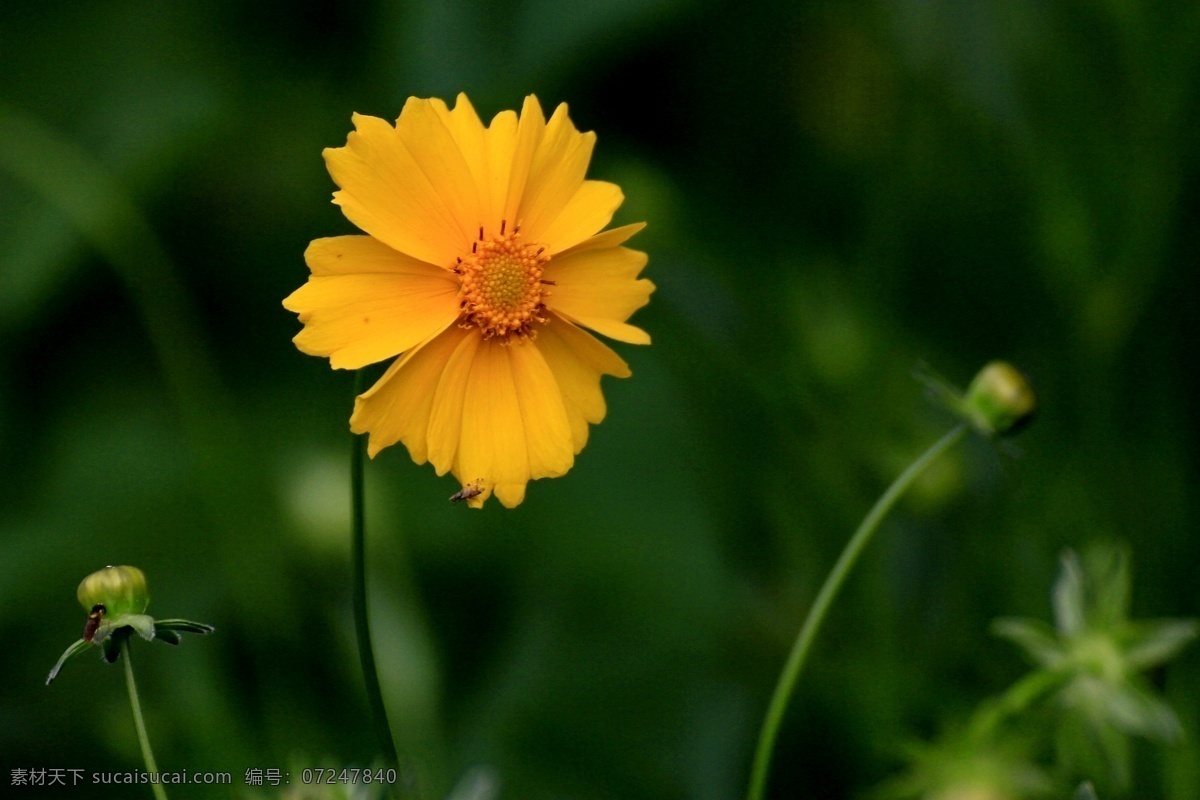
<point x="482" y="260"/>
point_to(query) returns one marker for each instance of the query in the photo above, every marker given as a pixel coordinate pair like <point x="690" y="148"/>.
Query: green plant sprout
<point x="1087" y="677"/>
<point x="116" y="599"/>
<point x="1091" y="664"/>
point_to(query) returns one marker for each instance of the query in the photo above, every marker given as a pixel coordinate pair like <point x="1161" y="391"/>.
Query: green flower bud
<point x="116" y="600"/>
<point x="121" y="590"/>
<point x="1000" y="400"/>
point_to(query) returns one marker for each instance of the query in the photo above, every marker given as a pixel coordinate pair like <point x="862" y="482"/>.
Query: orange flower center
<point x="501" y="285"/>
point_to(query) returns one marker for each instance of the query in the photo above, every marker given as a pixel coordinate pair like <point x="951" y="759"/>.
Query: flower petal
<point x="470" y="136"/>
<point x="357" y="254"/>
<point x="612" y="238"/>
<point x="446" y="417"/>
<point x="515" y="426"/>
<point x="621" y="331"/>
<point x="500" y="142"/>
<point x="588" y="211"/>
<point x="492" y="449"/>
<point x="530" y="128"/>
<point x="366" y="302"/>
<point x="398" y="407"/>
<point x="557" y="172"/>
<point x="548" y="437"/>
<point x="577" y="359"/>
<point x="599" y="289"/>
<point x="386" y="194"/>
<point x="439" y="156"/>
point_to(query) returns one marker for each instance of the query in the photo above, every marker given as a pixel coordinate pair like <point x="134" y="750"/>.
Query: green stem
<point x="820" y="607"/>
<point x="140" y="724"/>
<point x="1019" y="697"/>
<point x="362" y="627"/>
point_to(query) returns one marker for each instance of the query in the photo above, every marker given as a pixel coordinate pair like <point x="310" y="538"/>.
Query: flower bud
<point x="121" y="590"/>
<point x="1000" y="400"/>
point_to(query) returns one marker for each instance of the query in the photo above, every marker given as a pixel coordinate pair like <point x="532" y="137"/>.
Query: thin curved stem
<point x="820" y="607"/>
<point x="362" y="627"/>
<point x="147" y="754"/>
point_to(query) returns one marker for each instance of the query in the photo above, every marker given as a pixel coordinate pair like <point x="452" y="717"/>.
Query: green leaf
<point x="1106" y="568"/>
<point x="79" y="646"/>
<point x="1090" y="747"/>
<point x="1035" y="637"/>
<point x="1115" y="751"/>
<point x="1137" y="711"/>
<point x="1069" y="596"/>
<point x="1159" y="641"/>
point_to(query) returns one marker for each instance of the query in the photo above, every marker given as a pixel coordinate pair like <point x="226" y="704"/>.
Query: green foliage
<point x="1086" y="695"/>
<point x="1099" y="655"/>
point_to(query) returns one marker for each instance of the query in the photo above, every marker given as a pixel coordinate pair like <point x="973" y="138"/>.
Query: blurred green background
<point x="835" y="191"/>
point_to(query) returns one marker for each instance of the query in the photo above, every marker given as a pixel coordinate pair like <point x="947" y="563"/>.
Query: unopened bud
<point x="121" y="590"/>
<point x="1000" y="400"/>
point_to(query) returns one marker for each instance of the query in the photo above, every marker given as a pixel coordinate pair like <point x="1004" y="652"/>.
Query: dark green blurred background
<point x="835" y="193"/>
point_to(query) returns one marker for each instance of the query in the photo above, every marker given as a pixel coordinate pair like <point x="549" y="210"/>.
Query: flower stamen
<point x="501" y="286"/>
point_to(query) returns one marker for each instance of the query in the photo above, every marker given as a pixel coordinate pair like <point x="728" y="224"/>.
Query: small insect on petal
<point x="93" y="622"/>
<point x="472" y="489"/>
